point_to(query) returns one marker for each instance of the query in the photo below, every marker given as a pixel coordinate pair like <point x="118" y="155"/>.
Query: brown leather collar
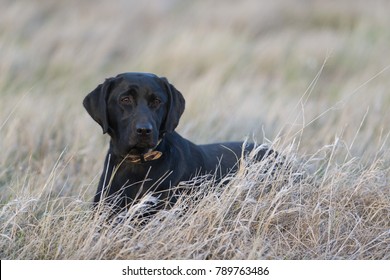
<point x="149" y="156"/>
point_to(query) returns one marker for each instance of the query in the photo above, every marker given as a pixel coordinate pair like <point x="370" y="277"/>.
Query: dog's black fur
<point x="140" y="112"/>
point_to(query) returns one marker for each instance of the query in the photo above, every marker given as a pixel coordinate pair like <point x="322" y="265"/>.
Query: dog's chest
<point x="134" y="180"/>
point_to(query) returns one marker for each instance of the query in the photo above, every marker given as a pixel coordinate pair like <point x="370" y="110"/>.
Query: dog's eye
<point x="155" y="103"/>
<point x="126" y="100"/>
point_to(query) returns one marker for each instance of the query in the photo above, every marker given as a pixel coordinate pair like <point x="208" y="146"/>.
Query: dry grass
<point x="310" y="78"/>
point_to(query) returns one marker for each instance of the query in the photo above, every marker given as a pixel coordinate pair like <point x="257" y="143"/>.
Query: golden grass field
<point x="310" y="78"/>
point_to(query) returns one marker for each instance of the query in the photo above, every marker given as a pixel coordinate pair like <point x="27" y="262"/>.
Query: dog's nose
<point x="144" y="129"/>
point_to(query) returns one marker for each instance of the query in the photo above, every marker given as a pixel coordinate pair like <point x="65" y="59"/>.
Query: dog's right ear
<point x="96" y="104"/>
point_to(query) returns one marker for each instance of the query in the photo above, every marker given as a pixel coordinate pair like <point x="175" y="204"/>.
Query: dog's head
<point x="136" y="110"/>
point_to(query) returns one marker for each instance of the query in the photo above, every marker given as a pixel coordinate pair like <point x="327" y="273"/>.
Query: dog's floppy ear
<point x="96" y="104"/>
<point x="175" y="107"/>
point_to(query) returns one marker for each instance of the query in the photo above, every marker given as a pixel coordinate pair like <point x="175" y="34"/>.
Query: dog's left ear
<point x="96" y="104"/>
<point x="175" y="107"/>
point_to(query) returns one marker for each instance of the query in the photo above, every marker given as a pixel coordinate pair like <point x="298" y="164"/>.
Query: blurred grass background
<point x="312" y="73"/>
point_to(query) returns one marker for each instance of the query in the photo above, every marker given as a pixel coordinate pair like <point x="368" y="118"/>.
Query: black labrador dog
<point x="140" y="112"/>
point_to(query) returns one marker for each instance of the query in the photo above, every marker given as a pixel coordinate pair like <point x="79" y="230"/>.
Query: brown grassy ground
<point x="310" y="78"/>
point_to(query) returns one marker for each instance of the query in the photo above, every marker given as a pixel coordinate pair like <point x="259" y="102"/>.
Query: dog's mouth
<point x="142" y="148"/>
<point x="139" y="149"/>
<point x="136" y="151"/>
